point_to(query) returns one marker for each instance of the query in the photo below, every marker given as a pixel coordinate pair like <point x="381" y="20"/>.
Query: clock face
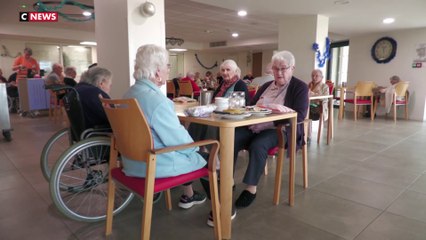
<point x="384" y="50"/>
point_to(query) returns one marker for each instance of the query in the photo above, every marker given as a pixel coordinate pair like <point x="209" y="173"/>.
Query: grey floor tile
<point x="335" y="215"/>
<point x="393" y="227"/>
<point x="359" y="190"/>
<point x="382" y="173"/>
<point x="411" y="205"/>
<point x="420" y="184"/>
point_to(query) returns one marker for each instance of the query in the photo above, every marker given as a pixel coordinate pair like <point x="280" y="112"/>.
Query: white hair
<point x="285" y="56"/>
<point x="232" y="65"/>
<point x="95" y="76"/>
<point x="149" y="58"/>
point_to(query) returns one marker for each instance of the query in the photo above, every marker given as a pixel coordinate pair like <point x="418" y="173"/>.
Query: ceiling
<point x="204" y="21"/>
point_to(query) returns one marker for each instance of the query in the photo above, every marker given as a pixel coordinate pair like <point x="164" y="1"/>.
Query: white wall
<point x="363" y="67"/>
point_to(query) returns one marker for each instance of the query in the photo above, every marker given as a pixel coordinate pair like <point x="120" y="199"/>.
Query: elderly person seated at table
<point x="151" y="72"/>
<point x="94" y="83"/>
<point x="230" y="73"/>
<point x="387" y="91"/>
<point x="259" y="138"/>
<point x="190" y="77"/>
<point x="318" y="88"/>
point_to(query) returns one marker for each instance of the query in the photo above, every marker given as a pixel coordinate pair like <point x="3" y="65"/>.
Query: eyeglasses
<point x="283" y="69"/>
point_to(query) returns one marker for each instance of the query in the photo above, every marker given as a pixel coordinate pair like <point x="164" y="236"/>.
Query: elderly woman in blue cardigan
<point x="259" y="138"/>
<point x="151" y="72"/>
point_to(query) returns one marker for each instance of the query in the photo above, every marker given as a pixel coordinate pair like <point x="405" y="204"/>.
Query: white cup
<point x="221" y="103"/>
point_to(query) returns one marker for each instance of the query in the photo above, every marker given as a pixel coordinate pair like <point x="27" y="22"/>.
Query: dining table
<point x="226" y="154"/>
<point x="330" y="125"/>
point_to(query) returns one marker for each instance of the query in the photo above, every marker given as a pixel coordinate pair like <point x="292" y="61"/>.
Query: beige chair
<point x="399" y="98"/>
<point x="362" y="96"/>
<point x="132" y="137"/>
<point x="185" y="89"/>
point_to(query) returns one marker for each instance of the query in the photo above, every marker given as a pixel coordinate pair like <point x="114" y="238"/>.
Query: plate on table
<point x="233" y="116"/>
<point x="258" y="111"/>
<point x="184" y="99"/>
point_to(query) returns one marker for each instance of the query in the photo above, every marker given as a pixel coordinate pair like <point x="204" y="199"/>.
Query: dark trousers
<point x="258" y="145"/>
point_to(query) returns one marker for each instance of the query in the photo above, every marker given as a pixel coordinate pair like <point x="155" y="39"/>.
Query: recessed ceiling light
<point x="88" y="43"/>
<point x="388" y="20"/>
<point x="178" y="49"/>
<point x="341" y="2"/>
<point x="87" y="14"/>
<point x="235" y="35"/>
<point x="242" y="13"/>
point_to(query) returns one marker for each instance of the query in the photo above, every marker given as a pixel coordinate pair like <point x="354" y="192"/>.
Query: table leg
<point x="330" y="120"/>
<point x="342" y="103"/>
<point x="226" y="178"/>
<point x="292" y="165"/>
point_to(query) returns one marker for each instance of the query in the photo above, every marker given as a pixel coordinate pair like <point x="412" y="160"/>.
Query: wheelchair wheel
<point x="79" y="181"/>
<point x="55" y="146"/>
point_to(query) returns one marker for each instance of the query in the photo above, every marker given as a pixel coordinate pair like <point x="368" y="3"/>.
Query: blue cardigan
<point x="296" y="98"/>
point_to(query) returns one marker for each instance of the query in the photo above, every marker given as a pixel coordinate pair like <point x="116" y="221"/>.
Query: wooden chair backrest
<point x="364" y="88"/>
<point x="401" y="88"/>
<point x="185" y="88"/>
<point x="170" y="87"/>
<point x="130" y="129"/>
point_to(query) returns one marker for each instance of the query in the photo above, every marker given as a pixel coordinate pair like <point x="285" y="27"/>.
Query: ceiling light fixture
<point x="178" y="49"/>
<point x="235" y="35"/>
<point x="87" y="14"/>
<point x="174" y="41"/>
<point x="89" y="43"/>
<point x="341" y="2"/>
<point x="388" y="20"/>
<point x="242" y="13"/>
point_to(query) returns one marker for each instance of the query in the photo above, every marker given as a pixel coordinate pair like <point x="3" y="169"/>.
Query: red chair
<point x="132" y="138"/>
<point x="252" y="89"/>
<point x="362" y="96"/>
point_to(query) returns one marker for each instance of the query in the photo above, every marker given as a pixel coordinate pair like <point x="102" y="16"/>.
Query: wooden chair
<point x="281" y="143"/>
<point x="400" y="98"/>
<point x="132" y="137"/>
<point x="171" y="90"/>
<point x="362" y="96"/>
<point x="55" y="105"/>
<point x="185" y="89"/>
<point x="321" y="118"/>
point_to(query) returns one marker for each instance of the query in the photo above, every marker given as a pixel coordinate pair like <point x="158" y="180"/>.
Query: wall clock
<point x="384" y="50"/>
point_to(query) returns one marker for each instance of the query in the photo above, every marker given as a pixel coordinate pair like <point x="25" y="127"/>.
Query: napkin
<point x="183" y="99"/>
<point x="277" y="108"/>
<point x="200" y="111"/>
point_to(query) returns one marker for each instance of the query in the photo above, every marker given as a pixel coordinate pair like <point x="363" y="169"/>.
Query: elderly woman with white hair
<point x="285" y="90"/>
<point x="231" y="74"/>
<point x="151" y="71"/>
<point x="94" y="82"/>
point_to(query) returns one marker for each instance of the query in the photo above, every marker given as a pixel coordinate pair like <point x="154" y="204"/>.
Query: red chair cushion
<point x="358" y="101"/>
<point x="401" y="102"/>
<point x="137" y="184"/>
<point x="273" y="151"/>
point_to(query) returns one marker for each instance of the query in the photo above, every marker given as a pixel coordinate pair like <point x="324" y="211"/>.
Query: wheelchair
<point x="77" y="171"/>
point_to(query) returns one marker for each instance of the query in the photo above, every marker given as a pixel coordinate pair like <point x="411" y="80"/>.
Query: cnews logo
<point x="38" y="16"/>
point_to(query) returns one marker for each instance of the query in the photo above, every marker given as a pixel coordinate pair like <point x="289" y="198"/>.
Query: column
<point x="120" y="29"/>
<point x="297" y="34"/>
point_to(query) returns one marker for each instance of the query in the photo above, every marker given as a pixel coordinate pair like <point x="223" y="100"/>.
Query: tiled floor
<point x="370" y="183"/>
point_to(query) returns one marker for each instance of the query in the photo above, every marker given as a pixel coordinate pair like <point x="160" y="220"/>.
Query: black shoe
<point x="206" y="186"/>
<point x="210" y="219"/>
<point x="245" y="199"/>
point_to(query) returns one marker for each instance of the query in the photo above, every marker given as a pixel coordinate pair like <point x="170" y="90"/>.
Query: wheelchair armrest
<point x="95" y="131"/>
<point x="212" y="155"/>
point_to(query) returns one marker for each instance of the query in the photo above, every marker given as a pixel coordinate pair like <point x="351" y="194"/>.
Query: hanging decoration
<point x="56" y="6"/>
<point x="321" y="58"/>
<point x="202" y="65"/>
<point x="5" y="52"/>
